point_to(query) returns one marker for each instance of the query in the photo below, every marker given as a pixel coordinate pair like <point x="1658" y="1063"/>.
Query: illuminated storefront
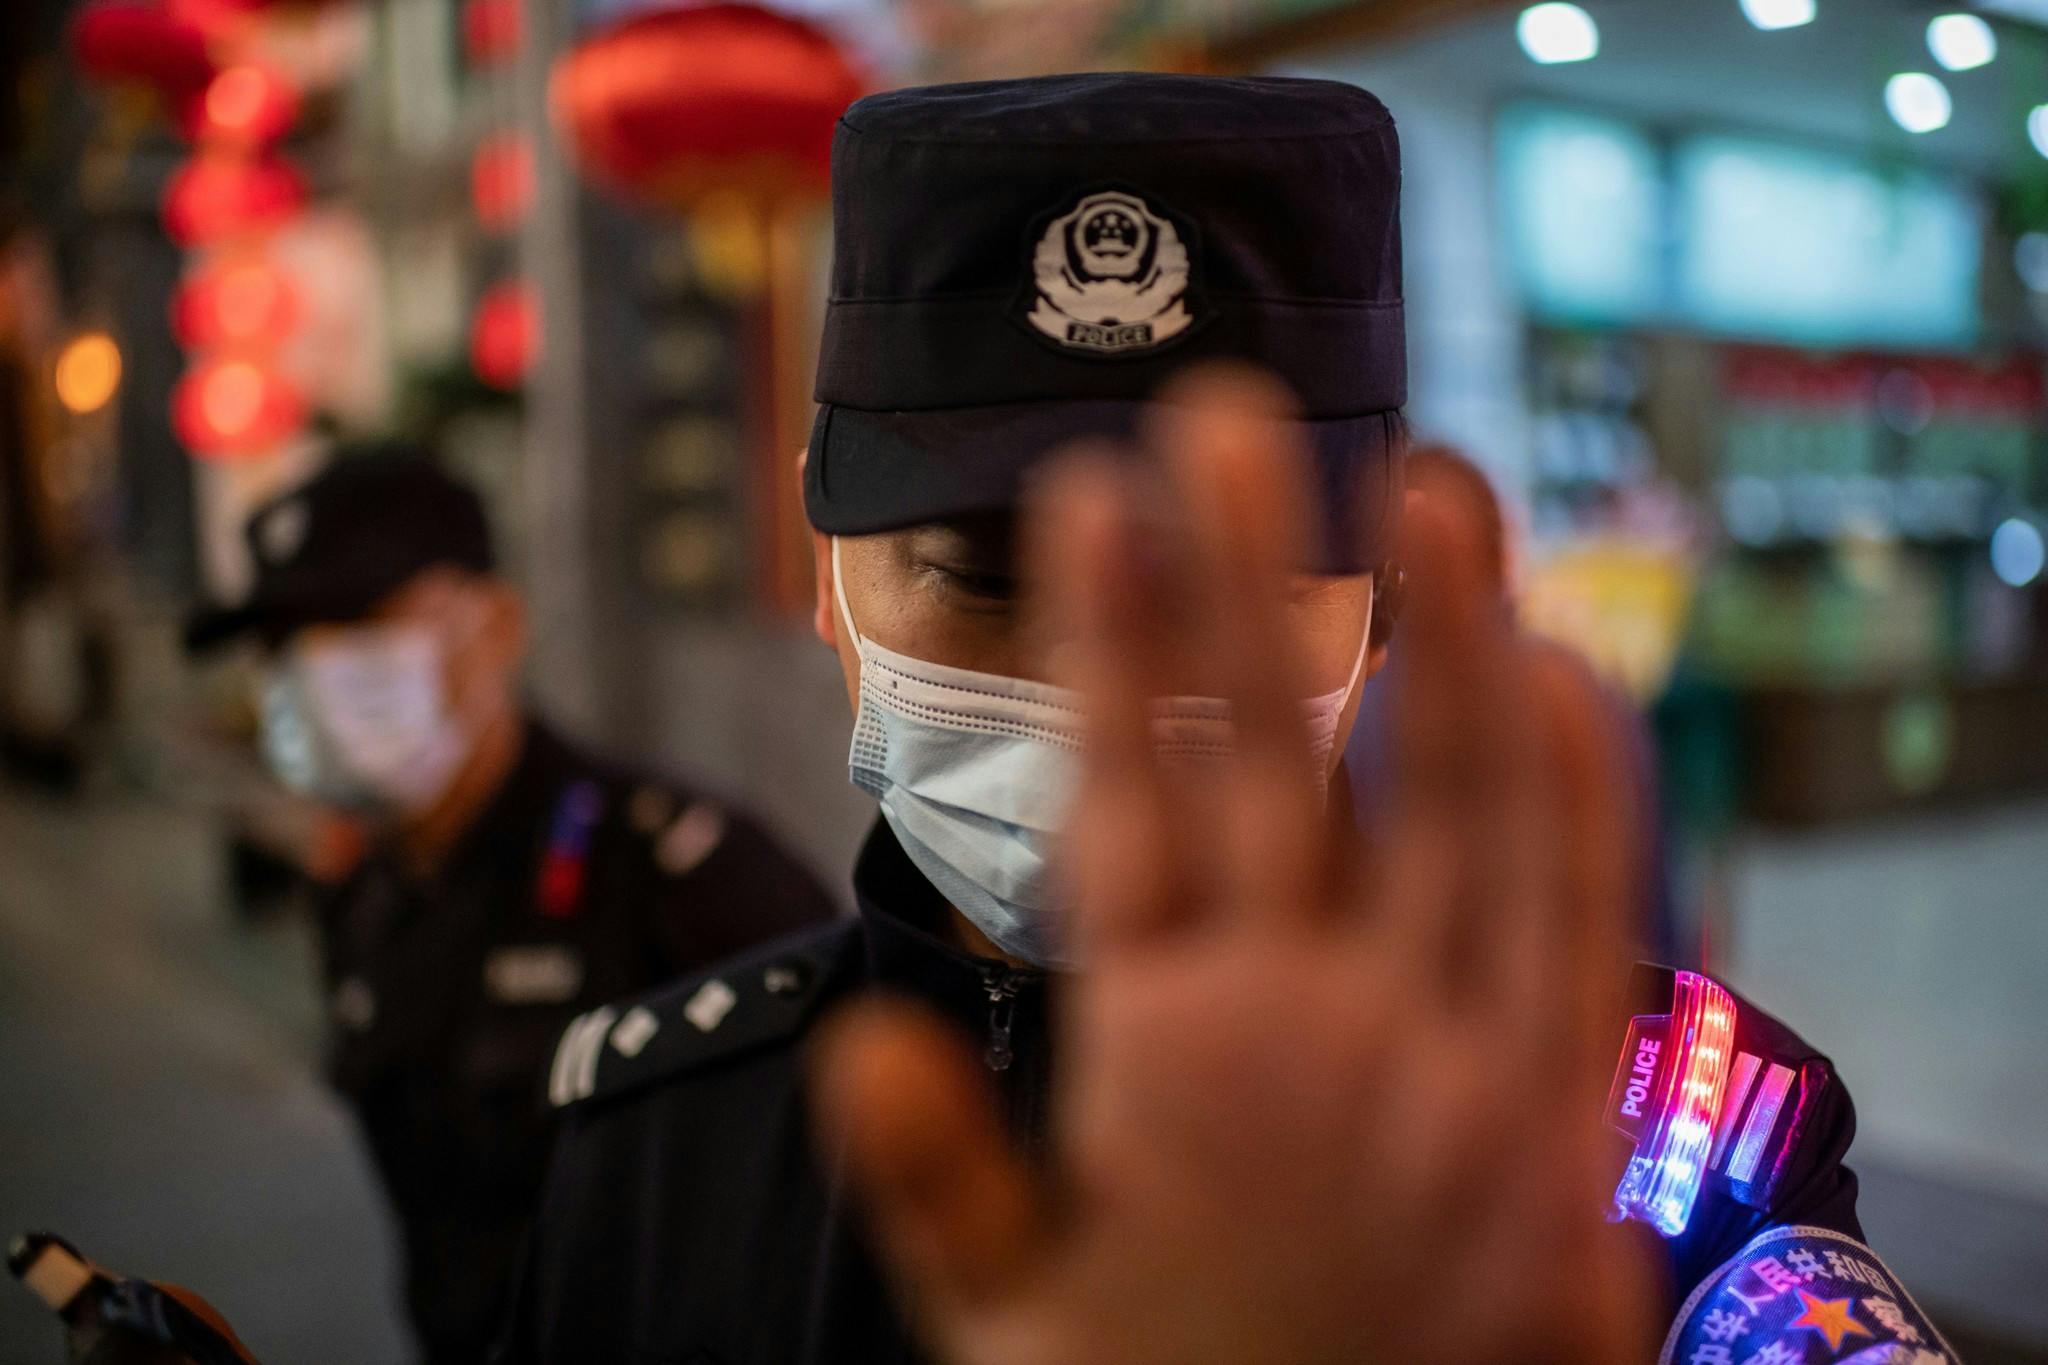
<point x="1778" y="368"/>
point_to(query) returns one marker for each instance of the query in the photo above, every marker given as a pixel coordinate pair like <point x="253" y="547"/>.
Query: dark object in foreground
<point x="110" y="1321"/>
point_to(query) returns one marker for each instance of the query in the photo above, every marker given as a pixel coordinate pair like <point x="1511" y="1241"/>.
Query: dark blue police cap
<point x="334" y="548"/>
<point x="1018" y="264"/>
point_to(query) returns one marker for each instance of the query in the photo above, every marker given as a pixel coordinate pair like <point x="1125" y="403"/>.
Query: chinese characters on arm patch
<point x="1796" y="1295"/>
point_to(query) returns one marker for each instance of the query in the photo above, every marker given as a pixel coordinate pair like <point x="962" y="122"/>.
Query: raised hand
<point x="1324" y="1097"/>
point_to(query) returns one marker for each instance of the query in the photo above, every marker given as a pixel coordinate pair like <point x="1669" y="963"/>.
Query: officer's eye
<point x="981" y="584"/>
<point x="970" y="562"/>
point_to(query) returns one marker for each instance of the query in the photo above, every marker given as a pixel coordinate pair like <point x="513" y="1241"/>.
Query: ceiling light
<point x="1776" y="14"/>
<point x="1918" y="102"/>
<point x="1557" y="32"/>
<point x="1961" y="42"/>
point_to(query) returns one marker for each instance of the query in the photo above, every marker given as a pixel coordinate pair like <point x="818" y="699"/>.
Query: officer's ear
<point x="824" y="612"/>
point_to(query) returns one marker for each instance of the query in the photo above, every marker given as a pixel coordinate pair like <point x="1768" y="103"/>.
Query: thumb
<point x="957" y="1214"/>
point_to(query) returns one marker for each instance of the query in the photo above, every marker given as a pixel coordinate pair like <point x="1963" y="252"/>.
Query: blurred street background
<point x="1743" y="304"/>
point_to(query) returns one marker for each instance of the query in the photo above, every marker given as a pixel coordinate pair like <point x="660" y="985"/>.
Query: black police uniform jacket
<point x="688" y="1219"/>
<point x="578" y="883"/>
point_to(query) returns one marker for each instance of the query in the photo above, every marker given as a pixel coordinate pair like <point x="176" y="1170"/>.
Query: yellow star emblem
<point x="1831" y="1318"/>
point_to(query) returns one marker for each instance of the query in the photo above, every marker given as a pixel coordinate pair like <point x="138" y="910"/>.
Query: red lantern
<point x="501" y="180"/>
<point x="504" y="337"/>
<point x="239" y="303"/>
<point x="234" y="408"/>
<point x="247" y="105"/>
<point x="492" y="30"/>
<point x="202" y="11"/>
<point x="222" y="21"/>
<point x="669" y="105"/>
<point x="119" y="40"/>
<point x="217" y="195"/>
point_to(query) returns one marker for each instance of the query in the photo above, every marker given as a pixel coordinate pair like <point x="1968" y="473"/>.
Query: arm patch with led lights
<point x="1795" y="1294"/>
<point x="1731" y="1124"/>
<point x="1713" y="1096"/>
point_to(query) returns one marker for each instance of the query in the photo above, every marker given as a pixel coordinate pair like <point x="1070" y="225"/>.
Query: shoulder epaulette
<point x="757" y="999"/>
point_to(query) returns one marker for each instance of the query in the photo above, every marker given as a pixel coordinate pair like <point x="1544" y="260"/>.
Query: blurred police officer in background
<point x="1257" y="1095"/>
<point x="506" y="880"/>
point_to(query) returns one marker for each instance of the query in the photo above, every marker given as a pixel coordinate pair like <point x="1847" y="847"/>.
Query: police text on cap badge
<point x="1111" y="275"/>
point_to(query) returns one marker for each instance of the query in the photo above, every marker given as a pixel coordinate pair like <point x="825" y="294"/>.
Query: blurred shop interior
<point x="1742" y="303"/>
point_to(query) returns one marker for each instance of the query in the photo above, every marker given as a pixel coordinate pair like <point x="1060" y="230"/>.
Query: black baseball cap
<point x="1019" y="264"/>
<point x="334" y="548"/>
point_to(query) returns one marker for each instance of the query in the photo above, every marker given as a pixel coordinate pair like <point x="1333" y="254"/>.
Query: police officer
<point x="1262" y="1136"/>
<point x="509" y="880"/>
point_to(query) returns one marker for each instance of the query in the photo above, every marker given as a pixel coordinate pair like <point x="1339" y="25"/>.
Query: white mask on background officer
<point x="381" y="715"/>
<point x="393" y="645"/>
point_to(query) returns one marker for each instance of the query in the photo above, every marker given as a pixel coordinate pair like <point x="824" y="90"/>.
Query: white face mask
<point x="362" y="719"/>
<point x="974" y="772"/>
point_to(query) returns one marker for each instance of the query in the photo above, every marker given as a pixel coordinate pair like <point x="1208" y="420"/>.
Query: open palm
<point x="1327" y="1097"/>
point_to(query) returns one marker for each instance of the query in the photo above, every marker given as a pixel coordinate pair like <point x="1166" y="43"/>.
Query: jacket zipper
<point x="1026" y="1082"/>
<point x="1001" y="987"/>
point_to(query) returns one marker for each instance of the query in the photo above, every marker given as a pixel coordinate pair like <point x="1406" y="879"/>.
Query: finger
<point x="1518" y="902"/>
<point x="1359" y="866"/>
<point x="1581" y="954"/>
<point x="1122" y="860"/>
<point x="1460" y="838"/>
<point x="955" y="1211"/>
<point x="1238" y="463"/>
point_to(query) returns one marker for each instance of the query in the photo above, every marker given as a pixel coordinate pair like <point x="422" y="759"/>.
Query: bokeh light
<point x="88" y="372"/>
<point x="2018" y="553"/>
<point x="249" y="104"/>
<point x="231" y="408"/>
<point x="2037" y="128"/>
<point x="1917" y="102"/>
<point x="1771" y="15"/>
<point x="1557" y="32"/>
<point x="505" y="335"/>
<point x="492" y="30"/>
<point x="218" y="195"/>
<point x="234" y="303"/>
<point x="1961" y="42"/>
<point x="501" y="180"/>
